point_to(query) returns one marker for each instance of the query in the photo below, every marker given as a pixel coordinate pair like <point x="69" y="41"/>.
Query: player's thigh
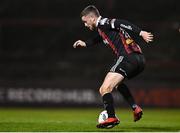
<point x="129" y="66"/>
<point x="111" y="80"/>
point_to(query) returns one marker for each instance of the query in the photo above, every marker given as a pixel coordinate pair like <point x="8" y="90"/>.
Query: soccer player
<point x="129" y="61"/>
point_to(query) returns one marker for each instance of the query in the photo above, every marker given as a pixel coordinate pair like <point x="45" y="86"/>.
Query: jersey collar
<point x="99" y="18"/>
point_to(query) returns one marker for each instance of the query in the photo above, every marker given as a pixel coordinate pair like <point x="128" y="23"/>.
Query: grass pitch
<point x="85" y="120"/>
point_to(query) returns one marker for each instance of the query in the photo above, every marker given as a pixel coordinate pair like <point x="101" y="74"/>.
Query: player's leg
<point x="137" y="111"/>
<point x="132" y="66"/>
<point x="129" y="67"/>
<point x="110" y="82"/>
<point x="125" y="92"/>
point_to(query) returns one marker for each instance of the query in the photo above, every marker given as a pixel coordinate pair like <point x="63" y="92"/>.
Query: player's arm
<point x="90" y="42"/>
<point x="120" y="23"/>
<point x="117" y="23"/>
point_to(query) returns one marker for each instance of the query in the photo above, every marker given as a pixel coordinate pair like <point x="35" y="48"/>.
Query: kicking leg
<point x="111" y="80"/>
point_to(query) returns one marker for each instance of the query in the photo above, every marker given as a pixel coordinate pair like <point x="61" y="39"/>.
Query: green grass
<point x="73" y="119"/>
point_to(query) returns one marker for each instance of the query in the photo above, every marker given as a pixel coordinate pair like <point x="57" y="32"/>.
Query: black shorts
<point x="129" y="66"/>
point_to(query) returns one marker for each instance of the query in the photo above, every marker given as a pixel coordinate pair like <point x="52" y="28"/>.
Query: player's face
<point x="89" y="22"/>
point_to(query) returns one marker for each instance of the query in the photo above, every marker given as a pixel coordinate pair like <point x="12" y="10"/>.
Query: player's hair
<point x="90" y="9"/>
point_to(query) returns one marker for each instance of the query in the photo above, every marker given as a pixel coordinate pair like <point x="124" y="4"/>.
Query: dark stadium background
<point x="39" y="67"/>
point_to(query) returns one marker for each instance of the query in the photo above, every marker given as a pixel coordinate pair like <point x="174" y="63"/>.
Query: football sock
<point x="124" y="90"/>
<point x="108" y="104"/>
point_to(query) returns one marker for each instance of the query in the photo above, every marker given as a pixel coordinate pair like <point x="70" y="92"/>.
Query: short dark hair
<point x="90" y="9"/>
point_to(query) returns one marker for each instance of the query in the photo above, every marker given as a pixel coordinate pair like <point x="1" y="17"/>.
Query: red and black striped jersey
<point x="114" y="33"/>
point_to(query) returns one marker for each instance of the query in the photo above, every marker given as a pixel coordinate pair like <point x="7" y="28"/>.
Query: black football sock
<point x="108" y="104"/>
<point x="124" y="90"/>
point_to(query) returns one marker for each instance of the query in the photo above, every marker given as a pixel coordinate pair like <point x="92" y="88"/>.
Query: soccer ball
<point x="103" y="116"/>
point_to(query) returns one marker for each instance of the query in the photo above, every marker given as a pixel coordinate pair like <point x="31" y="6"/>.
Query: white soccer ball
<point x="103" y="116"/>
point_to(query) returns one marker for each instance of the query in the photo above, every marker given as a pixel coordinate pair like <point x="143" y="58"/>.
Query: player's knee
<point x="105" y="89"/>
<point x="102" y="91"/>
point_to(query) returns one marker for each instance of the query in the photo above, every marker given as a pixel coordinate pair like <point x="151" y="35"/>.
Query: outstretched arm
<point x="119" y="23"/>
<point x="90" y="42"/>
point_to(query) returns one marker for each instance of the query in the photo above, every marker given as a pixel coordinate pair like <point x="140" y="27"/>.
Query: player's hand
<point x="147" y="36"/>
<point x="79" y="43"/>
